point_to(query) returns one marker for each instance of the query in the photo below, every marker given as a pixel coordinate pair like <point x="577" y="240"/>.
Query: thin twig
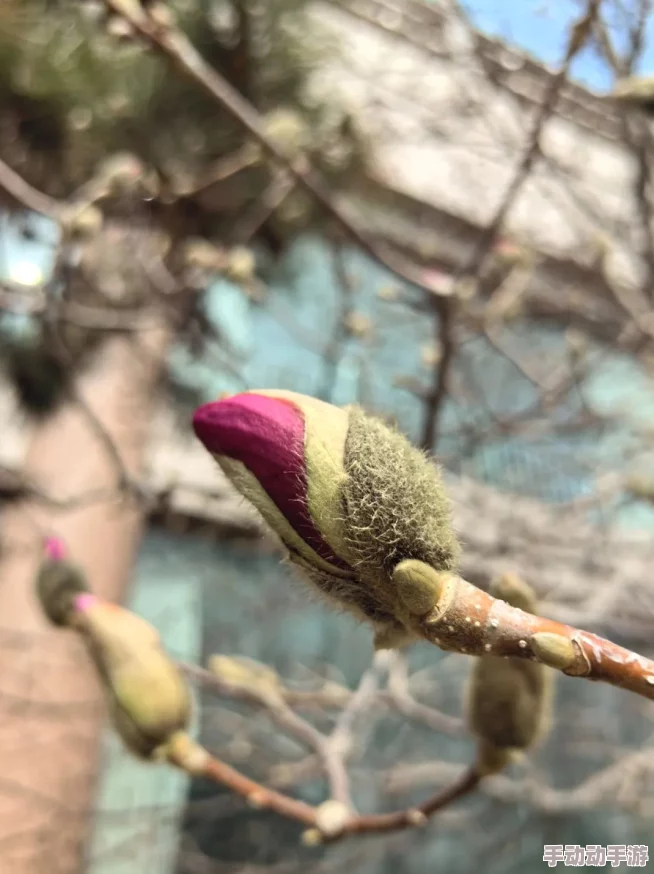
<point x="579" y="35"/>
<point x="271" y="199"/>
<point x="172" y="44"/>
<point x="224" y="168"/>
<point x="341" y="740"/>
<point x="332" y="352"/>
<point x="15" y="488"/>
<point x="443" y="315"/>
<point x="285" y="718"/>
<point x="405" y="703"/>
<point x="23" y="192"/>
<point x="474" y="265"/>
<point x="418" y="815"/>
<point x="190" y="757"/>
<point x="34" y="302"/>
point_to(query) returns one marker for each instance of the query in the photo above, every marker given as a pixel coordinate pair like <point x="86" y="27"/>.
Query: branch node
<point x="581" y="666"/>
<point x="256" y="800"/>
<point x="416" y="818"/>
<point x="331" y="817"/>
<point x="312" y="837"/>
<point x="188" y="755"/>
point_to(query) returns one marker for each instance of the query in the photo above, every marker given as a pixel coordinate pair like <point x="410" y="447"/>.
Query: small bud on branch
<point x="468" y="620"/>
<point x="508" y="699"/>
<point x="148" y="699"/>
<point x="59" y="582"/>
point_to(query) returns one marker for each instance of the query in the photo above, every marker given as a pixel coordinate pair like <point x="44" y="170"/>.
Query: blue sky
<point x="539" y="27"/>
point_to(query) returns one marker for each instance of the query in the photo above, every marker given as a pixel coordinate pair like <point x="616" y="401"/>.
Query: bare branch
<point x="17" y="488"/>
<point x="332" y="351"/>
<point x="579" y="35"/>
<point x="403" y="701"/>
<point x="469" y="620"/>
<point x="35" y="200"/>
<point x="172" y="44"/>
<point x="434" y="401"/>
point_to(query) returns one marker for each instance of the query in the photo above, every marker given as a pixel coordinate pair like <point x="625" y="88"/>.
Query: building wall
<point x="445" y="133"/>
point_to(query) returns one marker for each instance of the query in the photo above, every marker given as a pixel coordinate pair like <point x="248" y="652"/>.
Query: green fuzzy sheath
<point x="393" y="500"/>
<point x="390" y="506"/>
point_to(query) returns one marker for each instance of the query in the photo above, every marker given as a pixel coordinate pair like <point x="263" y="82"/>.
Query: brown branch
<point x="272" y="699"/>
<point x="33" y="302"/>
<point x="635" y="133"/>
<point x="190" y="757"/>
<point x="170" y="42"/>
<point x="224" y="168"/>
<point x="126" y="482"/>
<point x="127" y="655"/>
<point x="578" y="36"/>
<point x="436" y="396"/>
<point x="499" y="628"/>
<point x="332" y="752"/>
<point x="271" y="199"/>
<point x="16" y="488"/>
<point x="495" y="341"/>
<point x="332" y="351"/>
<point x="405" y="703"/>
<point x="23" y="192"/>
<point x="609" y="782"/>
<point x="417" y="816"/>
<point x="468" y="620"/>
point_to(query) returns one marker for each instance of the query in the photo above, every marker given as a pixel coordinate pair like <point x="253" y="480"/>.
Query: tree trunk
<point x="51" y="711"/>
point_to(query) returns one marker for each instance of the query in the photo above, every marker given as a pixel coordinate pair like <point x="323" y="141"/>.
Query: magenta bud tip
<point x="55" y="549"/>
<point x="84" y="601"/>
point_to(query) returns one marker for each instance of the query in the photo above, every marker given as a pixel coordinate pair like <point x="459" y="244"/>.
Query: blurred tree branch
<point x="165" y="38"/>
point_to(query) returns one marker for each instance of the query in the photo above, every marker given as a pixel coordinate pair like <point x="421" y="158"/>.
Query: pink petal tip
<point x="84" y="601"/>
<point x="55" y="549"/>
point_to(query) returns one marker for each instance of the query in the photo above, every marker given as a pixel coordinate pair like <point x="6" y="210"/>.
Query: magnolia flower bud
<point x="331" y="817"/>
<point x="148" y="698"/>
<point x="124" y="174"/>
<point x="248" y="675"/>
<point x="59" y="583"/>
<point x="349" y="497"/>
<point x="81" y="220"/>
<point x="241" y="264"/>
<point x="358" y="325"/>
<point x="204" y="255"/>
<point x="508" y="698"/>
<point x="119" y="28"/>
<point x="288" y="129"/>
